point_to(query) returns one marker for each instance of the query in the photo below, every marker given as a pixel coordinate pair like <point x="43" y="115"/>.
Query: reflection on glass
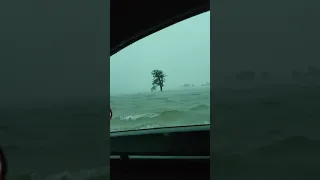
<point x="163" y="80"/>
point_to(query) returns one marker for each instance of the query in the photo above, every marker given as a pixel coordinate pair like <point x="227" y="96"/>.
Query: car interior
<point x="161" y="153"/>
<point x="175" y="152"/>
<point x="3" y="165"/>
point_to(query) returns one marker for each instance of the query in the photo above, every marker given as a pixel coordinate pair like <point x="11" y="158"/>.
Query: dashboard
<point x="179" y="152"/>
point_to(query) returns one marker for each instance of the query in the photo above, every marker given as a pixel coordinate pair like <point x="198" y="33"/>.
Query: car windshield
<point x="163" y="80"/>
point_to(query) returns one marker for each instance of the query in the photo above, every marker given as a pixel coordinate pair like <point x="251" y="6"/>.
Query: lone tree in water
<point x="158" y="79"/>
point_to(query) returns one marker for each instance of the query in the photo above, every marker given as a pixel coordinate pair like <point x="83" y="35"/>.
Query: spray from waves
<point x="147" y="120"/>
<point x="200" y="108"/>
<point x="165" y="118"/>
<point x="138" y="116"/>
<point x="166" y="114"/>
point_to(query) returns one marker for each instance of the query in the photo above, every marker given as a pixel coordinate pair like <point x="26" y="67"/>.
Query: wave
<point x="148" y="126"/>
<point x="200" y="108"/>
<point x="171" y="114"/>
<point x="166" y="114"/>
<point x="137" y="116"/>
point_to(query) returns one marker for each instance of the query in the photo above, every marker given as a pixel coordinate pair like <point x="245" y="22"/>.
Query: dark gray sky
<point x="182" y="51"/>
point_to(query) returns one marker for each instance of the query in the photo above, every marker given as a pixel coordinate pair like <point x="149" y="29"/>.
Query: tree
<point x="153" y="88"/>
<point x="158" y="79"/>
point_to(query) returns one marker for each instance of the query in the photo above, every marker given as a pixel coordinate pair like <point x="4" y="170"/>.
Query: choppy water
<point x="160" y="109"/>
<point x="267" y="132"/>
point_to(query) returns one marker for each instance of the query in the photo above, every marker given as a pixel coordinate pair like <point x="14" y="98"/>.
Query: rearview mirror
<point x="3" y="165"/>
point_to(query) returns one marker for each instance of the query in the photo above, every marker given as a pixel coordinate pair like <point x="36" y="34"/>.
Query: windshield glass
<point x="163" y="80"/>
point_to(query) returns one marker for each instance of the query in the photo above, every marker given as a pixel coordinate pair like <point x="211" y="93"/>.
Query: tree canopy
<point x="158" y="79"/>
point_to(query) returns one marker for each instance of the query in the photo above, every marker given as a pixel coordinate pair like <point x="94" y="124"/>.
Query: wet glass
<point x="163" y="80"/>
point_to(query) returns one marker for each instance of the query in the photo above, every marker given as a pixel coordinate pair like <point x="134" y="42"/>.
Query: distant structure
<point x="185" y="85"/>
<point x="206" y="84"/>
<point x="193" y="85"/>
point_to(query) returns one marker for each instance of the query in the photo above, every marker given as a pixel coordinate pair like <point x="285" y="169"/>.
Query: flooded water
<point x="161" y="109"/>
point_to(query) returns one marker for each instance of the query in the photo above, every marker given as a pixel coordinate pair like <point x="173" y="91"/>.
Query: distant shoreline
<point x="166" y="90"/>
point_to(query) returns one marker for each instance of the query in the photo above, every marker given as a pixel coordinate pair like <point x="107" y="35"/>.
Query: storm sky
<point x="181" y="51"/>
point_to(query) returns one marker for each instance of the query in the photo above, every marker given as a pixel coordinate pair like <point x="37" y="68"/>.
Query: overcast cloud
<point x="182" y="51"/>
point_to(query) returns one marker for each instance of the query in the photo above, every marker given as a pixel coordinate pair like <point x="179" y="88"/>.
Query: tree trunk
<point x="160" y="83"/>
